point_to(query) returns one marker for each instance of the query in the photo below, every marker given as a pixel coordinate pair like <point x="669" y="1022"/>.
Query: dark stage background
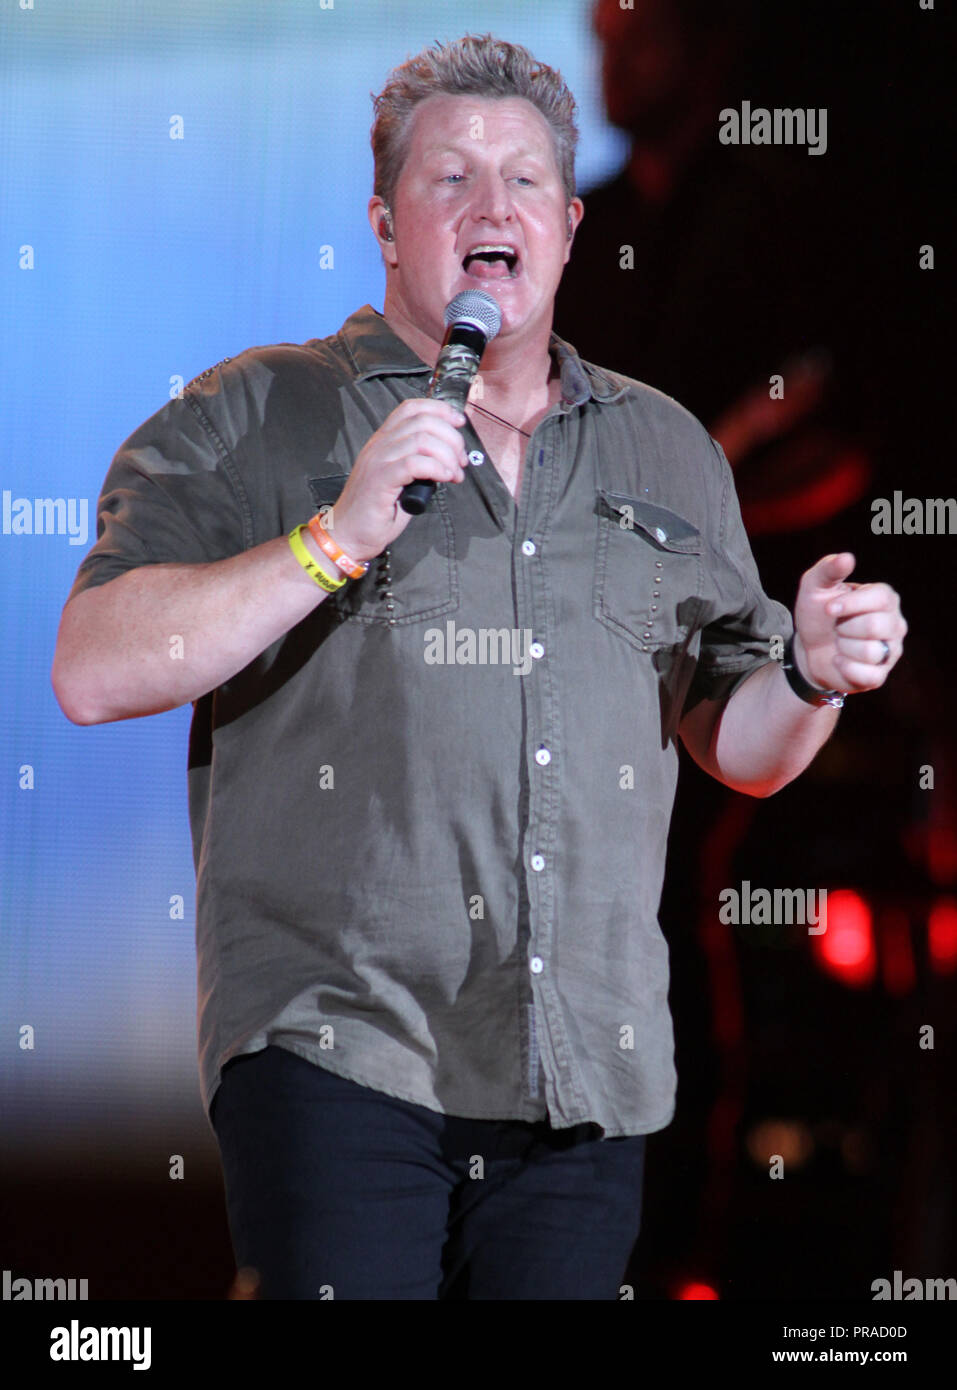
<point x="153" y="257"/>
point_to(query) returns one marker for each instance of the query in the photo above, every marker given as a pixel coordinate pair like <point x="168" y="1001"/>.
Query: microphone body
<point x="473" y="319"/>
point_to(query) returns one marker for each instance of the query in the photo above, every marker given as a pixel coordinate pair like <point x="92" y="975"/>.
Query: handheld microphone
<point x="472" y="320"/>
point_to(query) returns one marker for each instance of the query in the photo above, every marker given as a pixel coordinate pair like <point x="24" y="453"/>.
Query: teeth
<point x="508" y="253"/>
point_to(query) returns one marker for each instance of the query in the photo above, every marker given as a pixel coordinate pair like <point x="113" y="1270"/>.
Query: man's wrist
<point x="810" y="693"/>
<point x="338" y="544"/>
<point x="327" y="566"/>
<point x="798" y="657"/>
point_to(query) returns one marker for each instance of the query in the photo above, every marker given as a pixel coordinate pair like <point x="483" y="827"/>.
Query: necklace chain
<point x="508" y="423"/>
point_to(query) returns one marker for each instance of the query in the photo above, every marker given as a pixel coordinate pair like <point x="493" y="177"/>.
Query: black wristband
<point x="810" y="694"/>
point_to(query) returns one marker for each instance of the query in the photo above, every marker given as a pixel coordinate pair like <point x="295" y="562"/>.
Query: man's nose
<point x="491" y="199"/>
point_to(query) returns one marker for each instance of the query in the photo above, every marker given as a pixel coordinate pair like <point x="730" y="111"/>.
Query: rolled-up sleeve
<point x="739" y="622"/>
<point x="172" y="495"/>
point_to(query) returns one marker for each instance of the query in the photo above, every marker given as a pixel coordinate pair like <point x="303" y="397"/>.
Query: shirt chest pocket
<point x="414" y="579"/>
<point x="648" y="572"/>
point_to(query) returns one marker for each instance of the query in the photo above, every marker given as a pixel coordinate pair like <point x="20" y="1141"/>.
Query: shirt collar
<point x="375" y="350"/>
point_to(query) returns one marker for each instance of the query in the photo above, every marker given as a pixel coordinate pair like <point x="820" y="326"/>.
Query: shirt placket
<point x="535" y="618"/>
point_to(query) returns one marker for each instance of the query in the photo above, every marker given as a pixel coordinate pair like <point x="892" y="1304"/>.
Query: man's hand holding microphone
<point x="420" y="439"/>
<point x="420" y="443"/>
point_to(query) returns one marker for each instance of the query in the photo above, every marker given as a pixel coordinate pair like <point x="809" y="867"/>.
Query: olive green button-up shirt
<point x="429" y="822"/>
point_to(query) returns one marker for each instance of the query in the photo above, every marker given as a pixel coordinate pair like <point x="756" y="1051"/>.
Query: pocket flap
<point x="327" y="489"/>
<point x="664" y="528"/>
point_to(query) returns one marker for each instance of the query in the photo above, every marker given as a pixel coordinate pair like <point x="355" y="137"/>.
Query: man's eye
<point x="523" y="179"/>
<point x="448" y="178"/>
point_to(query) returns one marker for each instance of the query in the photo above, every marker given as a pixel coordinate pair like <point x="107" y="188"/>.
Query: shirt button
<point x="476" y="456"/>
<point x="661" y="535"/>
<point x="543" y="757"/>
<point x="538" y="862"/>
<point x="528" y="547"/>
<point x="536" y="965"/>
<point x="536" y="650"/>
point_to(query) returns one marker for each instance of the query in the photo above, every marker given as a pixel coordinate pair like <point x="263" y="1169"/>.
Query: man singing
<point x="433" y="1018"/>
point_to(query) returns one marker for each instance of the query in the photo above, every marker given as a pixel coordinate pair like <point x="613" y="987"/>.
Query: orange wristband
<point x="355" y="569"/>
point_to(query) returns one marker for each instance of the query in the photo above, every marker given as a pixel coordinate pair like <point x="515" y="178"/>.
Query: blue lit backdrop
<point x="152" y="258"/>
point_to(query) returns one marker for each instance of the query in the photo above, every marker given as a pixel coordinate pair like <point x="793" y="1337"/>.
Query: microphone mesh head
<point x="474" y="307"/>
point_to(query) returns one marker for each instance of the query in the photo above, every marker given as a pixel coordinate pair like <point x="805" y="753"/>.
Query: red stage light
<point x="699" y="1291"/>
<point x="846" y="947"/>
<point x="942" y="936"/>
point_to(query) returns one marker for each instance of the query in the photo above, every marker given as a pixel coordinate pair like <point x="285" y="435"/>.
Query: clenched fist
<point x="847" y="636"/>
<point x="419" y="439"/>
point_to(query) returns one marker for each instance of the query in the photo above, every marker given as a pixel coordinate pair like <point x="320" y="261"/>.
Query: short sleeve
<point x="172" y="495"/>
<point x="740" y="621"/>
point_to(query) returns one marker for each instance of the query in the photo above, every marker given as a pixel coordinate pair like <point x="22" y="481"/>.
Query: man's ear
<point x="380" y="220"/>
<point x="576" y="211"/>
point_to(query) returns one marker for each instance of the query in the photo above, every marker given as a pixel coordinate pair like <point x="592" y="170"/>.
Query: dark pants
<point x="336" y="1190"/>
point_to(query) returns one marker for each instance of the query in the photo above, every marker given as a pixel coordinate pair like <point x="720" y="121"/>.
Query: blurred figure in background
<point x="710" y="257"/>
<point x="707" y="269"/>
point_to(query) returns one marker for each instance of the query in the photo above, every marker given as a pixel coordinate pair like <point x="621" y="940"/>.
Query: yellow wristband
<point x="314" y="570"/>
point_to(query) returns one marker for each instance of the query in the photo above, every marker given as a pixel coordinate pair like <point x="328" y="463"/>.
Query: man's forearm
<point x="161" y="636"/>
<point x="766" y="734"/>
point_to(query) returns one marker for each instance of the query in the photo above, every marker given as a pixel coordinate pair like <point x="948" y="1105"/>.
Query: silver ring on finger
<point x="887" y="652"/>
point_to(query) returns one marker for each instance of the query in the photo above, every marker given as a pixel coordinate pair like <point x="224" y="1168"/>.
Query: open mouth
<point x="491" y="263"/>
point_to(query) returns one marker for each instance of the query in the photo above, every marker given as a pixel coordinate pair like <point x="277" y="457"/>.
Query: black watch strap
<point x="811" y="694"/>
